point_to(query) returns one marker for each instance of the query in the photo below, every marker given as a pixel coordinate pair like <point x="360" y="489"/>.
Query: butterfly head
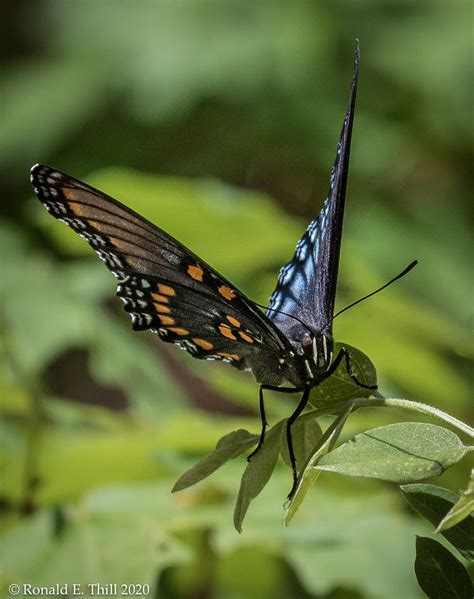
<point x="316" y="349"/>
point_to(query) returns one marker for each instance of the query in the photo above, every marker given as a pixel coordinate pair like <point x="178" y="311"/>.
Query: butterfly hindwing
<point x="306" y="286"/>
<point x="165" y="287"/>
<point x="205" y="326"/>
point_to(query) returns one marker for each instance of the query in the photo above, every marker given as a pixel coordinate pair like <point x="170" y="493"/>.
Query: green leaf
<point x="433" y="503"/>
<point x="116" y="534"/>
<point x="349" y="539"/>
<point x="258" y="472"/>
<point x="401" y="452"/>
<point x="462" y="511"/>
<point x="228" y="447"/>
<point x="340" y="385"/>
<point x="309" y="474"/>
<point x="305" y="432"/>
<point x="439" y="573"/>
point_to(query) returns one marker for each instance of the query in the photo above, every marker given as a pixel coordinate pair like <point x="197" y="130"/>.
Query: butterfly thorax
<point x="310" y="360"/>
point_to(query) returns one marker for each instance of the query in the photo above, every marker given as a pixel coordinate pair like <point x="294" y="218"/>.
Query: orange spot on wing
<point x="78" y="210"/>
<point x="228" y="356"/>
<point x="233" y="321"/>
<point x="98" y="227"/>
<point x="160" y="298"/>
<point x="226" y="331"/>
<point x="178" y="331"/>
<point x="69" y="195"/>
<point x="166" y="320"/>
<point x="162" y="309"/>
<point x="196" y="272"/>
<point x="166" y="289"/>
<point x="226" y="292"/>
<point x="246" y="337"/>
<point x="202" y="343"/>
<point x="75" y="208"/>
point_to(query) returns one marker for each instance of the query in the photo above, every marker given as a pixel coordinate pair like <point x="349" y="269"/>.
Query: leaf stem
<point x="423" y="408"/>
<point x="405" y="404"/>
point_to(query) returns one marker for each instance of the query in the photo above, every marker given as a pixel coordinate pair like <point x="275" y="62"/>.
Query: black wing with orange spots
<point x="166" y="288"/>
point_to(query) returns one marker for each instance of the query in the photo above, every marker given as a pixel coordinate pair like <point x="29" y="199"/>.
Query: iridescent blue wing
<point x="306" y="286"/>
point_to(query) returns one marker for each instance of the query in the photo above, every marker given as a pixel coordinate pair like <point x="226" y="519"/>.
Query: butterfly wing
<point x="166" y="288"/>
<point x="306" y="286"/>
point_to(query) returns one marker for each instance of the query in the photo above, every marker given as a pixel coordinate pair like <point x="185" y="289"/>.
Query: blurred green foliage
<point x="219" y="123"/>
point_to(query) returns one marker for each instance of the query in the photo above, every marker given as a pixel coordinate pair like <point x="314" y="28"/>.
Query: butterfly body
<point x="169" y="290"/>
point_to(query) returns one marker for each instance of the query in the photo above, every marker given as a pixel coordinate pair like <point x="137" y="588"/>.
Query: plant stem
<point x="405" y="404"/>
<point x="33" y="427"/>
<point x="423" y="408"/>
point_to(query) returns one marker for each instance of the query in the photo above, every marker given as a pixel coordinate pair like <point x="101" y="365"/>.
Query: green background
<point x="219" y="122"/>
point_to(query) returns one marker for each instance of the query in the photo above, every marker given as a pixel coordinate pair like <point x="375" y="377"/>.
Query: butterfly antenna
<point x="285" y="314"/>
<point x="399" y="276"/>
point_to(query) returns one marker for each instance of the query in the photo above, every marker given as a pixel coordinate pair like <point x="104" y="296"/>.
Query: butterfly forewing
<point x="306" y="286"/>
<point x="166" y="288"/>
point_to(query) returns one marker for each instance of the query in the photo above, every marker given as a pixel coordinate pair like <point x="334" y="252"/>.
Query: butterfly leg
<point x="301" y="406"/>
<point x="263" y="419"/>
<point x="346" y="356"/>
<point x="263" y="416"/>
<point x="342" y="355"/>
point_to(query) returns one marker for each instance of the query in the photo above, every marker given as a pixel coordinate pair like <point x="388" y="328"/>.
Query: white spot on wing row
<point x="140" y="319"/>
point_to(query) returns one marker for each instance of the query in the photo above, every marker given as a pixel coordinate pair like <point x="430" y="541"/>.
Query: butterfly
<point x="169" y="290"/>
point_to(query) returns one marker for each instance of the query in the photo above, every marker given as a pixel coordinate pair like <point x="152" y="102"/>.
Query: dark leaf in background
<point x="433" y="503"/>
<point x="439" y="573"/>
